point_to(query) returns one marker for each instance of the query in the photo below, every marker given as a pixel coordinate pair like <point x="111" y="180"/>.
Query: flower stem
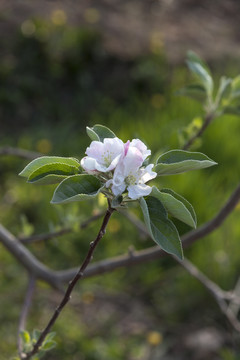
<point x="71" y="285"/>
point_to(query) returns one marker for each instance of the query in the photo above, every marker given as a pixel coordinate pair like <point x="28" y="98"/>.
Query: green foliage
<point x="176" y="206"/>
<point x="77" y="188"/>
<point x="82" y="187"/>
<point x="179" y="161"/>
<point x="199" y="69"/>
<point x="29" y="340"/>
<point x="161" y="229"/>
<point x="34" y="168"/>
<point x="216" y="100"/>
<point x="100" y="132"/>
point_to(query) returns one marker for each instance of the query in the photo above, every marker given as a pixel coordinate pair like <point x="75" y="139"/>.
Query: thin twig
<point x="26" y="154"/>
<point x="208" y="119"/>
<point x="25" y="310"/>
<point x="72" y="284"/>
<point x="44" y="237"/>
<point x="64" y="231"/>
<point x="219" y="294"/>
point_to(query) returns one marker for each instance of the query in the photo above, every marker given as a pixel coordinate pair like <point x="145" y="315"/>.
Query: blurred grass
<point x="55" y="80"/>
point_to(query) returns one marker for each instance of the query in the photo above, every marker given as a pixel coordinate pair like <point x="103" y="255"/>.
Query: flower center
<point x="107" y="157"/>
<point x="130" y="179"/>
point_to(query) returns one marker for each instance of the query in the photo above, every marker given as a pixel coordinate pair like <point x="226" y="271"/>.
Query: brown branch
<point x="219" y="294"/>
<point x="26" y="154"/>
<point x="56" y="278"/>
<point x="71" y="285"/>
<point x="25" y="310"/>
<point x="155" y="252"/>
<point x="28" y="260"/>
<point x="208" y="119"/>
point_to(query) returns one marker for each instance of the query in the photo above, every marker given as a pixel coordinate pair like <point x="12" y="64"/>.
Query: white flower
<point x="103" y="156"/>
<point x="130" y="175"/>
<point x="141" y="147"/>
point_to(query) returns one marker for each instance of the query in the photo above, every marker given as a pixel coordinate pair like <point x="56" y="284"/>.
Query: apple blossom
<point x="103" y="156"/>
<point x="129" y="173"/>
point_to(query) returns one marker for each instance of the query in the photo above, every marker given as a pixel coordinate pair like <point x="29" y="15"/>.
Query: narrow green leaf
<point x="195" y="91"/>
<point x="76" y="188"/>
<point x="52" y="173"/>
<point x="102" y="132"/>
<point x="224" y="89"/>
<point x="202" y="75"/>
<point x="45" y="160"/>
<point x="161" y="229"/>
<point x="176" y="205"/>
<point x="192" y="56"/>
<point x="36" y="334"/>
<point x="179" y="161"/>
<point x="50" y="336"/>
<point x="93" y="136"/>
<point x="235" y="91"/>
<point x="25" y="336"/>
<point x="48" y="346"/>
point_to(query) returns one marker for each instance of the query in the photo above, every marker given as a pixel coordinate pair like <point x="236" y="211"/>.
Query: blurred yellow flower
<point x="59" y="17"/>
<point x="154" y="338"/>
<point x="44" y="146"/>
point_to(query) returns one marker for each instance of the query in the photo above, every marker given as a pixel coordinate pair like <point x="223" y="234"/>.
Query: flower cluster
<point x="123" y="165"/>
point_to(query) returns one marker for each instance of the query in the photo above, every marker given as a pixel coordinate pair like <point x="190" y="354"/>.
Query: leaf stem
<point x="207" y="120"/>
<point x="72" y="284"/>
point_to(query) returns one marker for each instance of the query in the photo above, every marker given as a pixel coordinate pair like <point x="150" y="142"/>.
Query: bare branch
<point x="26" y="154"/>
<point x="72" y="284"/>
<point x="44" y="237"/>
<point x="56" y="278"/>
<point x="220" y="295"/>
<point x="28" y="260"/>
<point x="155" y="252"/>
<point x="25" y="310"/>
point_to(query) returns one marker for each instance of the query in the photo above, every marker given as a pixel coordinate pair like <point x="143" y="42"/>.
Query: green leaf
<point x="224" y="89"/>
<point x="48" y="345"/>
<point x="76" y="188"/>
<point x="161" y="229"/>
<point x="201" y="71"/>
<point x="52" y="173"/>
<point x="25" y="336"/>
<point x="36" y="334"/>
<point x="93" y="136"/>
<point x="49" y="336"/>
<point x="195" y="91"/>
<point x="176" y="205"/>
<point x="179" y="161"/>
<point x="235" y="87"/>
<point x="46" y="160"/>
<point x="193" y="57"/>
<point x="100" y="132"/>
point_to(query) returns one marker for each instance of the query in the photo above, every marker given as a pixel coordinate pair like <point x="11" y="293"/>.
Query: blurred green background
<point x="55" y="79"/>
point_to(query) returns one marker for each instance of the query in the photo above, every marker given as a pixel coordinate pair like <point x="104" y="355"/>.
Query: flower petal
<point x="137" y="191"/>
<point x="141" y="147"/>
